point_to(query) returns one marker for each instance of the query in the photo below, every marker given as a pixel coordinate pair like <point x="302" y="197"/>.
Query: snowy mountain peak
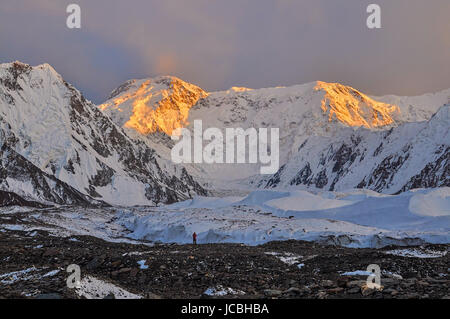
<point x="165" y="103"/>
<point x="15" y="64"/>
<point x="353" y="108"/>
<point x="50" y="123"/>
<point x="160" y="104"/>
<point x="18" y="68"/>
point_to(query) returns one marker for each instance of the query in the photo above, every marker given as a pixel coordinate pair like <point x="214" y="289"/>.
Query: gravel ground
<point x="33" y="265"/>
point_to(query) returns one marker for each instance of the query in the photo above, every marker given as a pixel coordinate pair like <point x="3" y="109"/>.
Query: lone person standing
<point x="194" y="238"/>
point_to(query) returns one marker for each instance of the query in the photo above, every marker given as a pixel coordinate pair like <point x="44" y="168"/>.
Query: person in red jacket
<point x="194" y="238"/>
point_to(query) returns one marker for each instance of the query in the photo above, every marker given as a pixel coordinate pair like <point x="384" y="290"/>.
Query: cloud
<point x="219" y="44"/>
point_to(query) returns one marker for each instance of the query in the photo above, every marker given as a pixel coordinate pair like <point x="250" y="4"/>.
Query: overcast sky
<point x="218" y="44"/>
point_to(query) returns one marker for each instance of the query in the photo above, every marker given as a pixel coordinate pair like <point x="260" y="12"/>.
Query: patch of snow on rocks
<point x="93" y="288"/>
<point x="221" y="291"/>
<point x="417" y="253"/>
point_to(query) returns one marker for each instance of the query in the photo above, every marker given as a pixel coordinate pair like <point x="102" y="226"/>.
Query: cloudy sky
<point x="217" y="44"/>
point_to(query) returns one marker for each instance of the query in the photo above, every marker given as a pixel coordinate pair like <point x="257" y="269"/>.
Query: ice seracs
<point x="355" y="218"/>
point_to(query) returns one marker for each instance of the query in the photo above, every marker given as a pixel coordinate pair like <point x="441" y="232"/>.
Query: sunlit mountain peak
<point x="353" y="108"/>
<point x="165" y="103"/>
<point x="161" y="104"/>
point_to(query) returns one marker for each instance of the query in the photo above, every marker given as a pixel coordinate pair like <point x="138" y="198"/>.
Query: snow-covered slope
<point x="412" y="155"/>
<point x="50" y="123"/>
<point x="331" y="136"/>
<point x="418" y="108"/>
<point x="152" y="105"/>
<point x="25" y="183"/>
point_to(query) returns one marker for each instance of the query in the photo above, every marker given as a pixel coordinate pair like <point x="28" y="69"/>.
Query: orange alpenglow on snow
<point x="163" y="104"/>
<point x="354" y="108"/>
<point x="159" y="110"/>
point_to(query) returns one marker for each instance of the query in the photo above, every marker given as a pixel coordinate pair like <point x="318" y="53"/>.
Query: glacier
<point x="355" y="218"/>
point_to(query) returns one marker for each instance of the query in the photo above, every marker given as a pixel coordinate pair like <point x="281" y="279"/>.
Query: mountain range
<point x="332" y="136"/>
<point x="64" y="150"/>
<point x="59" y="148"/>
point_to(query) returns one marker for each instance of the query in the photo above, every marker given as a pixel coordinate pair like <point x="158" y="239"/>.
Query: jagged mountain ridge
<point x="12" y="199"/>
<point x="51" y="124"/>
<point x="27" y="185"/>
<point x="413" y="155"/>
<point x="331" y="135"/>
